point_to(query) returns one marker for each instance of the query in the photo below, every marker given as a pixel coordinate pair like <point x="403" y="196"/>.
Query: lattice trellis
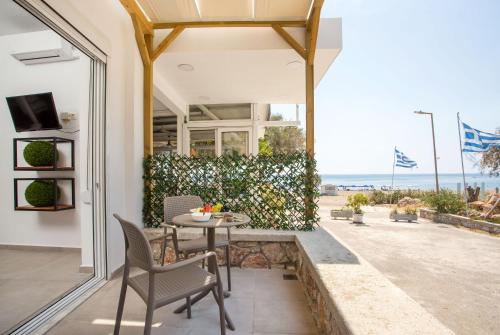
<point x="273" y="190"/>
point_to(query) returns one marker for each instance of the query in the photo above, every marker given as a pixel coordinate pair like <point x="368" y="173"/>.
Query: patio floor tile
<point x="261" y="302"/>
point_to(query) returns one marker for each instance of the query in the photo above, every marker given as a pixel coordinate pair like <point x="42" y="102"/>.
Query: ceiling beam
<point x="141" y="42"/>
<point x="207" y="112"/>
<point x="220" y="24"/>
<point x="290" y="40"/>
<point x="312" y="28"/>
<point x="133" y="8"/>
<point x="166" y="42"/>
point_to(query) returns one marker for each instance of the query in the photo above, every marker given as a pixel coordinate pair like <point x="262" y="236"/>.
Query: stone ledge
<point x="460" y="221"/>
<point x="358" y="297"/>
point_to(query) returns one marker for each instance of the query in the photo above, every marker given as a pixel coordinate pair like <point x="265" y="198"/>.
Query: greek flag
<point x="478" y="141"/>
<point x="403" y="161"/>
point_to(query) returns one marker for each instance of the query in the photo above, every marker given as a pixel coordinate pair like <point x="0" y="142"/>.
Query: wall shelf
<point x="64" y="202"/>
<point x="58" y="142"/>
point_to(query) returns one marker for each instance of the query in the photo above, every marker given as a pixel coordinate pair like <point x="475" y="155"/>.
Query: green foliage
<point x="39" y="153"/>
<point x="356" y="201"/>
<point x="40" y="193"/>
<point x="445" y="202"/>
<point x="271" y="189"/>
<point x="286" y="140"/>
<point x="264" y="148"/>
<point x="410" y="210"/>
<point x="384" y="197"/>
<point x="490" y="161"/>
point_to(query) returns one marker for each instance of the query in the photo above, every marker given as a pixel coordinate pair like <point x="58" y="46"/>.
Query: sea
<point x="411" y="181"/>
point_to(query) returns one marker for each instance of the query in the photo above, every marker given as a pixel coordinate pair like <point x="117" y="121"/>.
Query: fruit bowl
<point x="201" y="217"/>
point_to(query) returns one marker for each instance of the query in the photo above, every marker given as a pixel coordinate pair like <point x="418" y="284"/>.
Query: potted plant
<point x="355" y="202"/>
<point x="409" y="213"/>
<point x="344" y="212"/>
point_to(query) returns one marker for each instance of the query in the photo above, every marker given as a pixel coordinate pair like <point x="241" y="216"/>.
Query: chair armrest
<point x="180" y="264"/>
<point x="166" y="225"/>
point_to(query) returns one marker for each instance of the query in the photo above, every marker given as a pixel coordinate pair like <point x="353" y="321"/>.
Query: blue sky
<point x="440" y="56"/>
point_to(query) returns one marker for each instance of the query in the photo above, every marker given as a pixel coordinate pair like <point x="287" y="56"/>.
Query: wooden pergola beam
<point x="234" y="24"/>
<point x="290" y="40"/>
<point x="148" y="100"/>
<point x="312" y="28"/>
<point x="141" y="41"/>
<point x="166" y="42"/>
<point x="144" y="32"/>
<point x="132" y="8"/>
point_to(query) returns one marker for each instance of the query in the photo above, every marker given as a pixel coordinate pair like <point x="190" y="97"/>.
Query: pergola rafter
<point x="144" y="33"/>
<point x="231" y="24"/>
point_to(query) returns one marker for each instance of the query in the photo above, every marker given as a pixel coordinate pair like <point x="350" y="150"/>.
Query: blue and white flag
<point x="478" y="141"/>
<point x="403" y="161"/>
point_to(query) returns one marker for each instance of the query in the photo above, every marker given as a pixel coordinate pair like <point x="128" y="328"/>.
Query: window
<point x="220" y="112"/>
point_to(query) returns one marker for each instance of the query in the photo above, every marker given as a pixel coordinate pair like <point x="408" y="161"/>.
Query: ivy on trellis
<point x="278" y="191"/>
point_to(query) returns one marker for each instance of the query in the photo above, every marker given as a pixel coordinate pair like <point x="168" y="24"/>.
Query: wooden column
<point x="148" y="99"/>
<point x="310" y="109"/>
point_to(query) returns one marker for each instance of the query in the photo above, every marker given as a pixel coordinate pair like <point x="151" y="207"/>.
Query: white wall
<point x="108" y="25"/>
<point x="69" y="83"/>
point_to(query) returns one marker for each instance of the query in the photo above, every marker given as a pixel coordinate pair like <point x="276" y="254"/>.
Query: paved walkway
<point x="453" y="273"/>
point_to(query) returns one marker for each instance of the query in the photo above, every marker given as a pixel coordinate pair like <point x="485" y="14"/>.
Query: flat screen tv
<point x="33" y="112"/>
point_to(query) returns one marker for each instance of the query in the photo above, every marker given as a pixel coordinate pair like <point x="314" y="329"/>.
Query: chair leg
<point x="163" y="247"/>
<point x="228" y="266"/>
<point x="222" y="312"/>
<point x="121" y="303"/>
<point x="203" y="263"/>
<point x="188" y="307"/>
<point x="149" y="318"/>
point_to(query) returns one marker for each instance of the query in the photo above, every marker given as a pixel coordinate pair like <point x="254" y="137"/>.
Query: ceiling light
<point x="295" y="64"/>
<point x="185" y="67"/>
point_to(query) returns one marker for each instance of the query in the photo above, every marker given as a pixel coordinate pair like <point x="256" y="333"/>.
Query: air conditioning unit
<point x="56" y="51"/>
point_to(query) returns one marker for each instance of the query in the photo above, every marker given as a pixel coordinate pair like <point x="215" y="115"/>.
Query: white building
<point x="126" y="89"/>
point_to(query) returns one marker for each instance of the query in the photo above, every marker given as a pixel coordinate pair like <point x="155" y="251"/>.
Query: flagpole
<point x="393" y="165"/>
<point x="462" y="156"/>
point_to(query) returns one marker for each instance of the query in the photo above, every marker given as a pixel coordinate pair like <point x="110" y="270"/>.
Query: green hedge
<point x="271" y="189"/>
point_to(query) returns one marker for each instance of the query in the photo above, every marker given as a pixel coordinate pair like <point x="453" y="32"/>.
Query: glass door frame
<point x="218" y="137"/>
<point x="221" y="130"/>
<point x="47" y="318"/>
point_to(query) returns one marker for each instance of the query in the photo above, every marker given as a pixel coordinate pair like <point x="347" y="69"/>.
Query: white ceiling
<point x="16" y="20"/>
<point x="206" y="10"/>
<point x="243" y="65"/>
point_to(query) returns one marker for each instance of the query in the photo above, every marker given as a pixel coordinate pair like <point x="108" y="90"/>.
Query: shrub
<point x="40" y="193"/>
<point x="356" y="201"/>
<point x="381" y="197"/>
<point x="410" y="210"/>
<point x="445" y="202"/>
<point x="39" y="153"/>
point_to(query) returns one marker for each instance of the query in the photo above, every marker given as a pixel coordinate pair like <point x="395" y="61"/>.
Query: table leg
<point x="211" y="267"/>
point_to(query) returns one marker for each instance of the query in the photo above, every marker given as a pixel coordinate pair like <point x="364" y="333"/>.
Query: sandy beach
<point x="338" y="201"/>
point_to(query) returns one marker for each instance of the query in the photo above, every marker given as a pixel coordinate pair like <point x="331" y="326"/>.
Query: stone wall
<point x="324" y="317"/>
<point x="244" y="254"/>
<point x="460" y="221"/>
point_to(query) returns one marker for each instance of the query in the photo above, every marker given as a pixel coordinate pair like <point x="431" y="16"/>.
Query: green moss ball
<point x="40" y="153"/>
<point x="40" y="193"/>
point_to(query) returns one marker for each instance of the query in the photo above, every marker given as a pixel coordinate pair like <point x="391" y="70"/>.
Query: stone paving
<point x="453" y="273"/>
<point x="261" y="303"/>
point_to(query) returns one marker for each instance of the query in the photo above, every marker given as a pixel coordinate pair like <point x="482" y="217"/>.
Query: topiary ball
<point x="40" y="153"/>
<point x="40" y="193"/>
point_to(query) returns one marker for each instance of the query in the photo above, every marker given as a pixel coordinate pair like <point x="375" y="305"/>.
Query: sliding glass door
<point x="52" y="236"/>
